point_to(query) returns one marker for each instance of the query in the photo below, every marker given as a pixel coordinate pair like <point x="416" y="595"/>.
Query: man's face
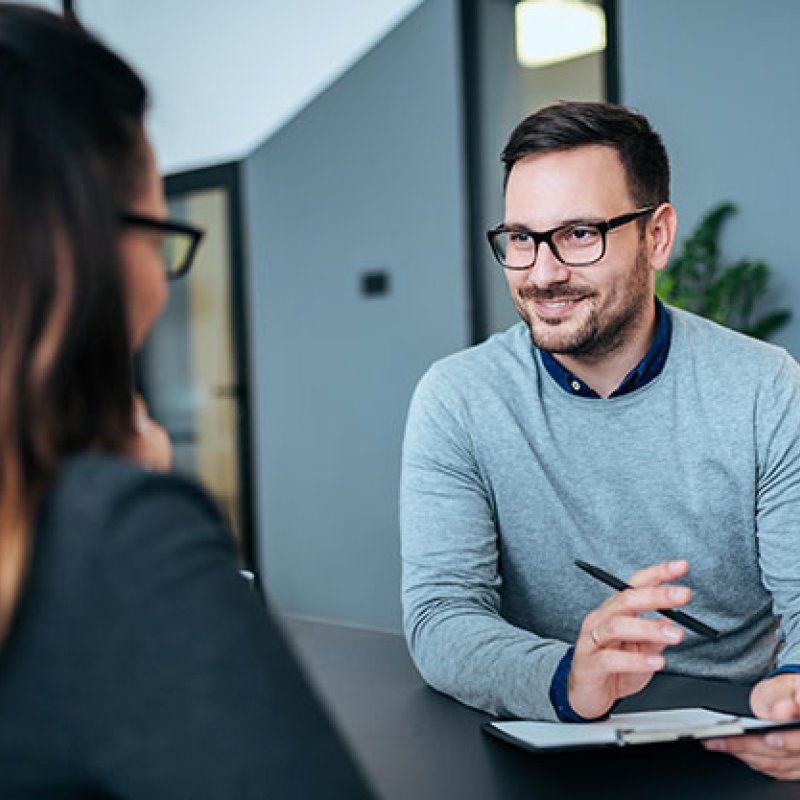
<point x="579" y="311"/>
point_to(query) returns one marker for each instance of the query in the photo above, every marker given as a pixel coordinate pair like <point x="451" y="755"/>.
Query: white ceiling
<point x="224" y="76"/>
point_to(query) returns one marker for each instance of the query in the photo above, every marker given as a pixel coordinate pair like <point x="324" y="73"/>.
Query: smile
<point x="557" y="307"/>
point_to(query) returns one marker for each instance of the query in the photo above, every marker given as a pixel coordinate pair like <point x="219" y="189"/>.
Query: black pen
<point x="676" y="616"/>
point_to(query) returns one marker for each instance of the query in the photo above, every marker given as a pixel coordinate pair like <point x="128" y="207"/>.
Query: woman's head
<point x="72" y="157"/>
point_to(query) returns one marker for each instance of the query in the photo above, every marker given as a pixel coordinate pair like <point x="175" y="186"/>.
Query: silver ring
<point x="594" y="638"/>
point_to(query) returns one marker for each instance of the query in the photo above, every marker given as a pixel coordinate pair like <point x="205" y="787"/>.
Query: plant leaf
<point x="697" y="281"/>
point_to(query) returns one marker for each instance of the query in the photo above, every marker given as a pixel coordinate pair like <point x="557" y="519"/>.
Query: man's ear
<point x="661" y="231"/>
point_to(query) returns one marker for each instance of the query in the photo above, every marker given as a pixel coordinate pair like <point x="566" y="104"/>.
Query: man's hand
<point x="149" y="444"/>
<point x="617" y="652"/>
<point x="778" y="753"/>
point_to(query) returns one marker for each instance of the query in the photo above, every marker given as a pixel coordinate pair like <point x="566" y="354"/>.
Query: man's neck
<point x="606" y="371"/>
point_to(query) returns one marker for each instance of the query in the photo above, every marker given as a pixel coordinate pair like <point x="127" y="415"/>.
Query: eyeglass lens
<point x="573" y="244"/>
<point x="175" y="250"/>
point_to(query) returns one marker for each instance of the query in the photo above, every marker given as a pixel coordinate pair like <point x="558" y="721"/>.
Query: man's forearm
<point x="474" y="655"/>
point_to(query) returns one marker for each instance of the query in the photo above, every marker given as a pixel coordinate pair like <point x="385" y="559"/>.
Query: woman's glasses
<point x="180" y="241"/>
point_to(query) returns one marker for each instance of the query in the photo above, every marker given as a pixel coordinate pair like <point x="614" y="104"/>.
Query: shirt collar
<point x="648" y="368"/>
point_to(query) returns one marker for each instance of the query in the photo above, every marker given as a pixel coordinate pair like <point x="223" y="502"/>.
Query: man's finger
<point x="777" y="698"/>
<point x="784" y="769"/>
<point x="776" y="754"/>
<point x="647" y="598"/>
<point x="659" y="573"/>
<point x="634" y="630"/>
<point x="771" y="745"/>
<point x="615" y="661"/>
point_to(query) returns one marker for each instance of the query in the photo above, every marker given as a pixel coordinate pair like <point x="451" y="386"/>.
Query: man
<point x="609" y="428"/>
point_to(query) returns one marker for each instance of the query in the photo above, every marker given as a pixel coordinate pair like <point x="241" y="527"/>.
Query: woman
<point x="134" y="660"/>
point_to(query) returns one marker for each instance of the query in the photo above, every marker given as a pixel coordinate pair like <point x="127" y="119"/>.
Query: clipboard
<point x="623" y="730"/>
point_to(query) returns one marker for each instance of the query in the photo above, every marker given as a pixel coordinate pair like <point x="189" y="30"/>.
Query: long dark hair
<point x="71" y="152"/>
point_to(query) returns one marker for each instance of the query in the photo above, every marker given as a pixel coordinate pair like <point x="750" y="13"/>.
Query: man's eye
<point x="520" y="238"/>
<point x="581" y="234"/>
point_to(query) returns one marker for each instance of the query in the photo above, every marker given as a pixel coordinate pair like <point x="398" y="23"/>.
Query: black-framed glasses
<point x="180" y="241"/>
<point x="576" y="244"/>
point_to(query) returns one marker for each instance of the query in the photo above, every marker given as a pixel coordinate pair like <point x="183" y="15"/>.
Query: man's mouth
<point x="555" y="307"/>
<point x="555" y="303"/>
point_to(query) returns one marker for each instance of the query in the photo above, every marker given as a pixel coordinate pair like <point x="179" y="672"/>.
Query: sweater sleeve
<point x="190" y="690"/>
<point x="778" y="501"/>
<point x="452" y="618"/>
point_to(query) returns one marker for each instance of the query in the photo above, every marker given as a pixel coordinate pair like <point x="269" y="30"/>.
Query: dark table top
<point x="416" y="744"/>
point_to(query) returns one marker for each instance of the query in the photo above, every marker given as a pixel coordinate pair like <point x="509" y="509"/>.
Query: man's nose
<point x="547" y="269"/>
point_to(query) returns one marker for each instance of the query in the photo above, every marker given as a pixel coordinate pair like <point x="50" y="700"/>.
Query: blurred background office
<point x="344" y="157"/>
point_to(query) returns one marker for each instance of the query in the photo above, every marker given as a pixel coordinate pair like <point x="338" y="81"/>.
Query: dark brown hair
<point x="564" y="126"/>
<point x="70" y="156"/>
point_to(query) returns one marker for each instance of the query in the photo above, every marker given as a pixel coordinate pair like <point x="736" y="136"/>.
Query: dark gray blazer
<point x="141" y="665"/>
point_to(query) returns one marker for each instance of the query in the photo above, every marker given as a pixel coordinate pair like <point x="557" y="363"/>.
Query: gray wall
<point x="718" y="79"/>
<point x="368" y="177"/>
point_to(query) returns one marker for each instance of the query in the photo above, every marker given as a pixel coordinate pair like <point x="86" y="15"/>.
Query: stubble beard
<point x="596" y="336"/>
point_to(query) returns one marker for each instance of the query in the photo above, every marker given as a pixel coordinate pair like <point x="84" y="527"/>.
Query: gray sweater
<point x="507" y="479"/>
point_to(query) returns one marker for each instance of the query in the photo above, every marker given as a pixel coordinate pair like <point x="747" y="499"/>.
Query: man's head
<point x="577" y="167"/>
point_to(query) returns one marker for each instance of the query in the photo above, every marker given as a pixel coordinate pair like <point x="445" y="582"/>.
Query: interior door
<point x="192" y="370"/>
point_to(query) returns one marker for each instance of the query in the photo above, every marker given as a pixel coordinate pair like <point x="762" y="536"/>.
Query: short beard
<point x="595" y="338"/>
<point x="593" y="341"/>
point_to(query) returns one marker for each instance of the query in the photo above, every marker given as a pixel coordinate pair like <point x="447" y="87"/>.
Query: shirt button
<point x="576" y="386"/>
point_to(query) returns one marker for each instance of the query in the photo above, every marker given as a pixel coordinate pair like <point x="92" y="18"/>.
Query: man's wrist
<point x="559" y="692"/>
<point x="785" y="669"/>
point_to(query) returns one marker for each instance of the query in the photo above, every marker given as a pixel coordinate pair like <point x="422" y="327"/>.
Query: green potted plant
<point x="697" y="281"/>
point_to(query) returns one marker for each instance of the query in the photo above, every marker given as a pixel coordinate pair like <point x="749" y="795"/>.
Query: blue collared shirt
<point x="648" y="368"/>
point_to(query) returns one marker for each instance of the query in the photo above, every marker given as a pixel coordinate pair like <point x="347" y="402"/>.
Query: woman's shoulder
<point x="106" y="513"/>
<point x="93" y="487"/>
